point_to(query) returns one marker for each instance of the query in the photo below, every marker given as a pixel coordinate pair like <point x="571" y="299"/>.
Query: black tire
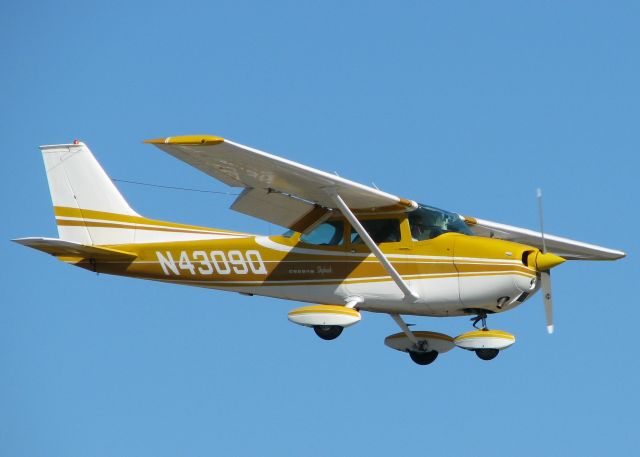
<point x="423" y="358"/>
<point x="487" y="354"/>
<point x="328" y="332"/>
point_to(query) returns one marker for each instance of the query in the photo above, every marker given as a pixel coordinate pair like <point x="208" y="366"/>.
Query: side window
<point x="421" y="230"/>
<point x="326" y="234"/>
<point x="381" y="230"/>
<point x="427" y="223"/>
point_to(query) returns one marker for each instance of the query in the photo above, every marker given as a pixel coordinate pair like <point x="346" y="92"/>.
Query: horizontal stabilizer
<point x="61" y="248"/>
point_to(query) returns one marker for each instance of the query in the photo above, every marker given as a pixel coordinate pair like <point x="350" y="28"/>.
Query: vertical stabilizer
<point x="81" y="191"/>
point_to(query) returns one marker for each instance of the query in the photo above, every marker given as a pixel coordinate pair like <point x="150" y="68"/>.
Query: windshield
<point x="427" y="222"/>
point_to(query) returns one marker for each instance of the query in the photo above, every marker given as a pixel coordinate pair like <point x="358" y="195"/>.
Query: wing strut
<point x="355" y="223"/>
<point x="405" y="328"/>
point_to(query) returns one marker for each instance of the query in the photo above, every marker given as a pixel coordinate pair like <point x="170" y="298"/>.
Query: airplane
<point x="348" y="247"/>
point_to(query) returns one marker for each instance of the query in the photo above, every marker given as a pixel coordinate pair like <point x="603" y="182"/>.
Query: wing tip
<point x="186" y="139"/>
<point x="609" y="254"/>
<point x="619" y="255"/>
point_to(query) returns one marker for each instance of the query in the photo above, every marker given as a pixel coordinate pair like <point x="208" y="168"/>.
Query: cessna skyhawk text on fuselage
<point x="349" y="248"/>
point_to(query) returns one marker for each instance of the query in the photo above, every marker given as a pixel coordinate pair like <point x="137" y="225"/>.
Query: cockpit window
<point x="380" y="230"/>
<point x="326" y="234"/>
<point x="427" y="223"/>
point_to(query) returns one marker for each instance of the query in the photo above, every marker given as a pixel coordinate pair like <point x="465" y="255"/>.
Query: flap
<point x="280" y="209"/>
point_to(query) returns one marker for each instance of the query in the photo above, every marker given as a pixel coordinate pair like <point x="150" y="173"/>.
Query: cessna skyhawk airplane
<point x="349" y="248"/>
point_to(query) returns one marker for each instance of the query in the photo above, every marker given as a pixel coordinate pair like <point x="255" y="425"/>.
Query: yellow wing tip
<point x="186" y="139"/>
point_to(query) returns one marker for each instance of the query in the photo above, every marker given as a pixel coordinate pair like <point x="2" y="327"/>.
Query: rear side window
<point x="326" y="234"/>
<point x="381" y="230"/>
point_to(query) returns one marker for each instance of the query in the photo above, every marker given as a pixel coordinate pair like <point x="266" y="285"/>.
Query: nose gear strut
<point x="482" y="316"/>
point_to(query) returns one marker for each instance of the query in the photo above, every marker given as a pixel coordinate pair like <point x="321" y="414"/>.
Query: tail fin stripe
<point x="86" y="223"/>
<point x="87" y="215"/>
<point x="108" y="224"/>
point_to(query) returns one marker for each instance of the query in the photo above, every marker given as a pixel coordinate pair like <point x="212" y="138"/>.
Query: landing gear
<point x="484" y="353"/>
<point x="486" y="343"/>
<point x="487" y="354"/>
<point x="328" y="332"/>
<point x="328" y="321"/>
<point x="423" y="358"/>
<point x="481" y="317"/>
<point x="423" y="347"/>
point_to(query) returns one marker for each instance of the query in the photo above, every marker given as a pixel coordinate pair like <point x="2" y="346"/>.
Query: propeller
<point x="545" y="273"/>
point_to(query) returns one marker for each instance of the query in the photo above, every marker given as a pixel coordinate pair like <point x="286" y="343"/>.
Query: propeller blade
<point x="547" y="261"/>
<point x="541" y="215"/>
<point x="545" y="277"/>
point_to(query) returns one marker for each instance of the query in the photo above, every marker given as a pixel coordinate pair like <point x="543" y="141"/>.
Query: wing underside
<point x="564" y="247"/>
<point x="280" y="191"/>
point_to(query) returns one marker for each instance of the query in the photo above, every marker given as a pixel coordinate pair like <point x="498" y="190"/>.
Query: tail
<point x="81" y="191"/>
<point x="91" y="211"/>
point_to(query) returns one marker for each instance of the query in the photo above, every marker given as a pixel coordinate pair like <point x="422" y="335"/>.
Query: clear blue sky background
<point x="465" y="105"/>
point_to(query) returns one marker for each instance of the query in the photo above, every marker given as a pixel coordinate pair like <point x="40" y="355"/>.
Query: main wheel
<point x="487" y="354"/>
<point x="423" y="358"/>
<point x="328" y="332"/>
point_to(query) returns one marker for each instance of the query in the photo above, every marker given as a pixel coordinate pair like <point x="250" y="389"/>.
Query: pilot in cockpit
<point x="421" y="231"/>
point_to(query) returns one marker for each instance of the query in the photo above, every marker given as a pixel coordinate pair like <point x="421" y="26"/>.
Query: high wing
<point x="564" y="247"/>
<point x="277" y="190"/>
<point x="299" y="197"/>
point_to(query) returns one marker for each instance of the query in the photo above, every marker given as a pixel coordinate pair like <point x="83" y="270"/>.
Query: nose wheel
<point x="483" y="353"/>
<point x="485" y="343"/>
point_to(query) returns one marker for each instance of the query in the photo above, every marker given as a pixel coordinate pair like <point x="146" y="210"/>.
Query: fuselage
<point x="453" y="274"/>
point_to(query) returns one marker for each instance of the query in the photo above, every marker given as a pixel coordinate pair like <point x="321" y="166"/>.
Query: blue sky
<point x="463" y="105"/>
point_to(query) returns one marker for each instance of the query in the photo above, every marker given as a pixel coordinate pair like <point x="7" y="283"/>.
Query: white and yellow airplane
<point x="349" y="247"/>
